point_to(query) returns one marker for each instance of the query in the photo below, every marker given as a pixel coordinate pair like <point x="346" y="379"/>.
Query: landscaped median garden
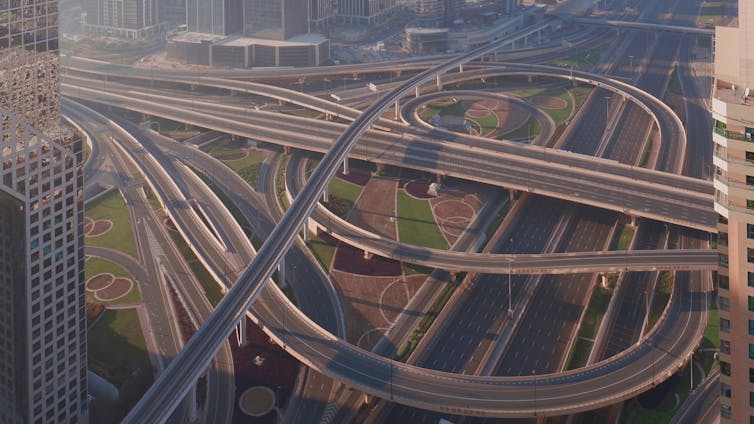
<point x="108" y="223"/>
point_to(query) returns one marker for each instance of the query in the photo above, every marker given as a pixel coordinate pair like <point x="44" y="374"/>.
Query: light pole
<point x="607" y="110"/>
<point x="510" y="298"/>
<point x="631" y="61"/>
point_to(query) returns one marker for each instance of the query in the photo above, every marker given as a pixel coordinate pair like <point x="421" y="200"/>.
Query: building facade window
<point x="723" y="281"/>
<point x="724" y="325"/>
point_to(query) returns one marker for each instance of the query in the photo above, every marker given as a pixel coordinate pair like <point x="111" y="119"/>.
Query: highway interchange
<point x="512" y="398"/>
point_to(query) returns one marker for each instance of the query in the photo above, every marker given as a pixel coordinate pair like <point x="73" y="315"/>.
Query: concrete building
<point x="217" y="17"/>
<point x="275" y="19"/>
<point x="733" y="112"/>
<point x="365" y="12"/>
<point x="123" y="18"/>
<point x="42" y="302"/>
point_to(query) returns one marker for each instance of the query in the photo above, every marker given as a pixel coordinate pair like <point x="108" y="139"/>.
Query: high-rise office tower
<point x="733" y="111"/>
<point x="218" y="17"/>
<point x="129" y="18"/>
<point x="275" y="19"/>
<point x="42" y="302"/>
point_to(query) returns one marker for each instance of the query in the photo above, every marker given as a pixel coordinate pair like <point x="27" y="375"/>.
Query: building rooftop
<point x="299" y="40"/>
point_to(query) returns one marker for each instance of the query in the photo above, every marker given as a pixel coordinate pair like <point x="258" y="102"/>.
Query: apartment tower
<point x="733" y="136"/>
<point x="42" y="302"/>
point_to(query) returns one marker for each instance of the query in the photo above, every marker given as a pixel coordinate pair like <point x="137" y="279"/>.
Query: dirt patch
<point x="549" y="102"/>
<point x="357" y="176"/>
<point x="375" y="209"/>
<point x="119" y="288"/>
<point x="363" y="309"/>
<point x="99" y="282"/>
<point x="100" y="227"/>
<point x="399" y="292"/>
<point x="418" y="189"/>
<point x="351" y="260"/>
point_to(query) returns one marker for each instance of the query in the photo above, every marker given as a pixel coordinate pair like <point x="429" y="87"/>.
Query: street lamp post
<point x="510" y="299"/>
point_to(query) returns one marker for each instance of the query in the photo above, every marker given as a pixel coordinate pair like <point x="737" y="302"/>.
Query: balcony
<point x="733" y="135"/>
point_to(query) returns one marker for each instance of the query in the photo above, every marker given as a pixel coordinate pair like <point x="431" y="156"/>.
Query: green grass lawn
<point x="663" y="290"/>
<point x="322" y="251"/>
<point x="527" y="131"/>
<point x="96" y="266"/>
<point x="226" y="145"/>
<point x="486" y="123"/>
<point x="248" y="167"/>
<point x="623" y="237"/>
<point x="416" y="224"/>
<point x="583" y="60"/>
<point x="557" y="115"/>
<point x="211" y="288"/>
<point x="579" y="354"/>
<point x="442" y="109"/>
<point x="344" y="190"/>
<point x="111" y="206"/>
<point x="413" y="269"/>
<point x="675" y="83"/>
<point x="117" y="352"/>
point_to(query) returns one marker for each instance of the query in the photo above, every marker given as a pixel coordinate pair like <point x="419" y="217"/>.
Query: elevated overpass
<point x="643" y="26"/>
<point x="583" y="179"/>
<point x="632" y="372"/>
<point x="492" y="263"/>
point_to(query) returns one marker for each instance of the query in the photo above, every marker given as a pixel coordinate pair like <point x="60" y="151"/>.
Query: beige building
<point x="733" y="111"/>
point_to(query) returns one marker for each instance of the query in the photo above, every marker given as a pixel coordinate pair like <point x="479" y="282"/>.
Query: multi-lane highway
<point x="623" y="188"/>
<point x="422" y="389"/>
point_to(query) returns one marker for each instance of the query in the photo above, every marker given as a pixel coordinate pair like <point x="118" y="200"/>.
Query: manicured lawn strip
<point x="645" y="152"/>
<point x="579" y="354"/>
<point x="248" y="167"/>
<point x="663" y="290"/>
<point x="675" y="83"/>
<point x="589" y="57"/>
<point x="595" y="312"/>
<point x="530" y="129"/>
<point x="344" y="190"/>
<point x="225" y="146"/>
<point x="112" y="207"/>
<point x="211" y="288"/>
<point x="557" y="115"/>
<point x="405" y="349"/>
<point x="96" y="266"/>
<point x="232" y="208"/>
<point x="117" y="352"/>
<point x="496" y="221"/>
<point x="622" y="238"/>
<point x="711" y="341"/>
<point x="487" y="123"/>
<point x="580" y="94"/>
<point x="442" y="109"/>
<point x="413" y="269"/>
<point x="322" y="251"/>
<point x="280" y="184"/>
<point x="152" y="198"/>
<point x="416" y="224"/>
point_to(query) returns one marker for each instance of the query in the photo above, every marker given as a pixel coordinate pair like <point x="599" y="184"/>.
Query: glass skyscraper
<point x="42" y="302"/>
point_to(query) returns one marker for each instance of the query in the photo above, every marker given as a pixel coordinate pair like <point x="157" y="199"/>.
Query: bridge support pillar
<point x="379" y="167"/>
<point x="460" y="68"/>
<point x="526" y="41"/>
<point x="191" y="401"/>
<point x="513" y="194"/>
<point x="438" y="178"/>
<point x="305" y="235"/>
<point x="325" y="197"/>
<point x="286" y="150"/>
<point x="417" y="92"/>
<point x="367" y="255"/>
<point x="439" y="83"/>
<point x="345" y="166"/>
<point x="187" y="126"/>
<point x="233" y="137"/>
<point x="397" y="110"/>
<point x="241" y="332"/>
<point x="633" y="221"/>
<point x="282" y="282"/>
<point x="530" y="78"/>
<point x="603" y="280"/>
